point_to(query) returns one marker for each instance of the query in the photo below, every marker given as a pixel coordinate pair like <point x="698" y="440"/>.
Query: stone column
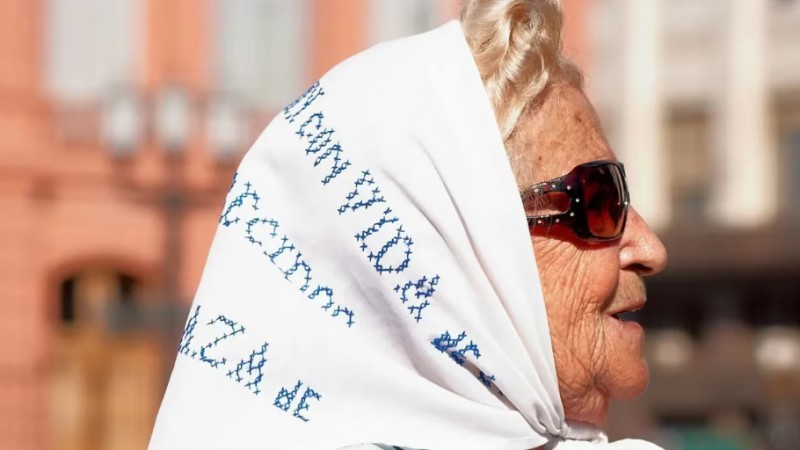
<point x="641" y="140"/>
<point x="746" y="190"/>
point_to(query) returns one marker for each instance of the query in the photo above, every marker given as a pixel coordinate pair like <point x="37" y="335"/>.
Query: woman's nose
<point x="640" y="249"/>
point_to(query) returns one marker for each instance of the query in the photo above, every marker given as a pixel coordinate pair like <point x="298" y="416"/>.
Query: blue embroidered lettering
<point x="303" y="405"/>
<point x="316" y="117"/>
<point x="188" y="334"/>
<point x="487" y="380"/>
<point x="285" y="398"/>
<point x="445" y="344"/>
<point x="358" y="191"/>
<point x="254" y="367"/>
<point x="286" y="244"/>
<point x="345" y="311"/>
<point x="321" y="143"/>
<point x="400" y="237"/>
<point x="233" y="329"/>
<point x="237" y="202"/>
<point x="303" y="102"/>
<point x="299" y="263"/>
<point x="423" y="289"/>
<point x="253" y="223"/>
<point x="323" y="290"/>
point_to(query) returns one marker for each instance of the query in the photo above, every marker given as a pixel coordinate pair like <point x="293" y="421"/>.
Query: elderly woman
<point x="373" y="280"/>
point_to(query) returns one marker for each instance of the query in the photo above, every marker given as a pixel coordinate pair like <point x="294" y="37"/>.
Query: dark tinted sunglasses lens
<point x="603" y="200"/>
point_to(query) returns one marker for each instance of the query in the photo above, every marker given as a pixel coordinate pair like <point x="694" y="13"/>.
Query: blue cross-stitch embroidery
<point x="365" y="179"/>
<point x="323" y="290"/>
<point x="374" y="228"/>
<point x="254" y="367"/>
<point x="285" y="398"/>
<point x="319" y="141"/>
<point x="446" y="343"/>
<point x="298" y="264"/>
<point x="423" y="289"/>
<point x="487" y="380"/>
<point x="253" y="223"/>
<point x="188" y="334"/>
<point x="345" y="311"/>
<point x="233" y="329"/>
<point x="317" y="118"/>
<point x="377" y="257"/>
<point x="322" y="141"/>
<point x="285" y="245"/>
<point x="294" y="268"/>
<point x="308" y="97"/>
<point x="400" y="236"/>
<point x="338" y="165"/>
<point x="235" y="176"/>
<point x="303" y="405"/>
<point x="237" y="202"/>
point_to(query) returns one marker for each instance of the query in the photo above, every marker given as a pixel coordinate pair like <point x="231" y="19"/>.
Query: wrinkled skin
<point x="596" y="356"/>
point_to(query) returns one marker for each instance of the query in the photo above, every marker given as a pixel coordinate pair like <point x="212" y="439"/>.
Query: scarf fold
<point x="372" y="279"/>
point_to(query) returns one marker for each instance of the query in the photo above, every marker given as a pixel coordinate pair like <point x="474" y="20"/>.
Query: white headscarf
<point x="372" y="279"/>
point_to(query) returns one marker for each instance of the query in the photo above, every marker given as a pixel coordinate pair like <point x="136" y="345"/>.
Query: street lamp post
<point x="171" y="121"/>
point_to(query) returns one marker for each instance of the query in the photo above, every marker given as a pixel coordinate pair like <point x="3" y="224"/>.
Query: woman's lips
<point x="627" y="325"/>
<point x="626" y="307"/>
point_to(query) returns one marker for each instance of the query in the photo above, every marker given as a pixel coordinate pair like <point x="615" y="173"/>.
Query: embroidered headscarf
<point x="372" y="279"/>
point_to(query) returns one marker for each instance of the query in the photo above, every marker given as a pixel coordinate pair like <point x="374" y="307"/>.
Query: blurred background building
<point x="701" y="99"/>
<point x="121" y="123"/>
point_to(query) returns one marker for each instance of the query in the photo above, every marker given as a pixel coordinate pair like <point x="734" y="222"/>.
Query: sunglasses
<point x="592" y="200"/>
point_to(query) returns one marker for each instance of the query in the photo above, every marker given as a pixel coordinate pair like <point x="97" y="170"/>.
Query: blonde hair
<point x="517" y="48"/>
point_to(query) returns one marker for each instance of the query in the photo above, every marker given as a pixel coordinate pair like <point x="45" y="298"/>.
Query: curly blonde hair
<point x="517" y="48"/>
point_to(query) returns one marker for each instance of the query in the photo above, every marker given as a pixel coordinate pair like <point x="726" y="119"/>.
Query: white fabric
<point x="372" y="278"/>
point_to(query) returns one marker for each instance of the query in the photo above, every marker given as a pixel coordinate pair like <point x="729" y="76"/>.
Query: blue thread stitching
<point x="386" y="247"/>
<point x="301" y="130"/>
<point x="346" y="311"/>
<point x="282" y="248"/>
<point x="297" y="264"/>
<point x="252" y="385"/>
<point x="287" y="396"/>
<point x="337" y="168"/>
<point x="233" y="332"/>
<point x="314" y="146"/>
<point x="421" y="291"/>
<point x="285" y="245"/>
<point x="367" y="179"/>
<point x="445" y="343"/>
<point x="238" y="202"/>
<point x="328" y="291"/>
<point x="303" y="405"/>
<point x="260" y="221"/>
<point x="308" y="97"/>
<point x="188" y="334"/>
<point x="360" y="237"/>
<point x="377" y="257"/>
<point x="487" y="380"/>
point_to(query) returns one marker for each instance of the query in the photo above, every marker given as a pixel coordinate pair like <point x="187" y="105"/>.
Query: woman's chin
<point x="631" y="381"/>
<point x="627" y="372"/>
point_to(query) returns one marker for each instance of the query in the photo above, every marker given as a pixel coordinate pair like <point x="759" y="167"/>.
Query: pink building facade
<point x="120" y="126"/>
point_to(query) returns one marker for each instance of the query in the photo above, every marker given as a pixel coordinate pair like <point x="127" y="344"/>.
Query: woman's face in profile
<point x="585" y="283"/>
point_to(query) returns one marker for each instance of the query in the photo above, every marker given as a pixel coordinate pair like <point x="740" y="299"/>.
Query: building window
<point x="261" y="50"/>
<point x="392" y="19"/>
<point x="688" y="145"/>
<point x="788" y="139"/>
<point x="90" y="46"/>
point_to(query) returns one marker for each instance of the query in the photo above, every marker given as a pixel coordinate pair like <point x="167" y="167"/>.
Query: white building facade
<point x="701" y="101"/>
